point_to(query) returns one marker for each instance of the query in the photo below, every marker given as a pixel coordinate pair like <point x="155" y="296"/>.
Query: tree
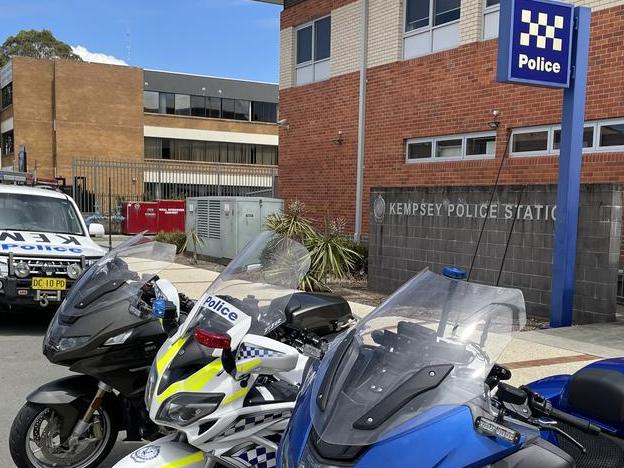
<point x="35" y="44"/>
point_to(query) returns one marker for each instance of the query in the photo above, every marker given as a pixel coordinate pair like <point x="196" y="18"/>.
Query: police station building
<point x="447" y="151"/>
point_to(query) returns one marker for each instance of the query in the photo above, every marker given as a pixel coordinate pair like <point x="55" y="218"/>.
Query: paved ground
<point x="23" y="368"/>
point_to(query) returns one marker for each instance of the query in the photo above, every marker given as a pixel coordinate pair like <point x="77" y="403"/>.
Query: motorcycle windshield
<point x="256" y="285"/>
<point x="123" y="271"/>
<point x="429" y="346"/>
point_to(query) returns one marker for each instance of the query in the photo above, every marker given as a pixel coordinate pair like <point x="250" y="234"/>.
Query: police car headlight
<point x="21" y="269"/>
<point x="186" y="408"/>
<point x="74" y="271"/>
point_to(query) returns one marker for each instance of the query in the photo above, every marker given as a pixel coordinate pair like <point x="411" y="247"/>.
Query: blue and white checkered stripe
<point x="245" y="352"/>
<point x="251" y="421"/>
<point x="257" y="457"/>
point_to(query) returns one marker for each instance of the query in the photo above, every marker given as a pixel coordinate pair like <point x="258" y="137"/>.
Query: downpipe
<point x="83" y="423"/>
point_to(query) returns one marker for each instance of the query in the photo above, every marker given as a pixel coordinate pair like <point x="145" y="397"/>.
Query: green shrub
<point x="331" y="252"/>
<point x="177" y="238"/>
<point x="361" y="263"/>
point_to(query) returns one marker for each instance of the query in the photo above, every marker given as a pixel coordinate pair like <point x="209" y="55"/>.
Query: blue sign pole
<point x="570" y="160"/>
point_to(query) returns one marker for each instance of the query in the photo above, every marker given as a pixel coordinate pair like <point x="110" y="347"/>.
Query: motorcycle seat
<point x="271" y="392"/>
<point x="597" y="393"/>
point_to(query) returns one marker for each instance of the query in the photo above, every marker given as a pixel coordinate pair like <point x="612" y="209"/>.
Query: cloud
<point x="97" y="57"/>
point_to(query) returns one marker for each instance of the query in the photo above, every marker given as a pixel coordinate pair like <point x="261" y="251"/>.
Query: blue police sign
<point x="537" y="48"/>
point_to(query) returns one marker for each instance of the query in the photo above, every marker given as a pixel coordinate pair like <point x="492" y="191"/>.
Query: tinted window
<point x="490" y="3"/>
<point x="165" y="148"/>
<point x="417" y="14"/>
<point x="241" y="109"/>
<point x="153" y="148"/>
<point x="480" y="146"/>
<point x="530" y="141"/>
<point x="181" y="150"/>
<point x="198" y="150"/>
<point x="7" y="95"/>
<point x="304" y="44"/>
<point x="198" y="106"/>
<point x="150" y="101"/>
<point x="167" y="103"/>
<point x="228" y="108"/>
<point x="322" y="38"/>
<point x="7" y="143"/>
<point x="264" y="111"/>
<point x="419" y="150"/>
<point x="213" y="151"/>
<point x="40" y="214"/>
<point x="449" y="148"/>
<point x="446" y="11"/>
<point x="612" y="135"/>
<point x="213" y="107"/>
<point x="182" y="104"/>
<point x="588" y="138"/>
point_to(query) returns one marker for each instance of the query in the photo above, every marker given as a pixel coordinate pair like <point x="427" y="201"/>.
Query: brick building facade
<point x="435" y="116"/>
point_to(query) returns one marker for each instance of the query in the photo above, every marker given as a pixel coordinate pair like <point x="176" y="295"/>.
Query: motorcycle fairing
<point x="164" y="453"/>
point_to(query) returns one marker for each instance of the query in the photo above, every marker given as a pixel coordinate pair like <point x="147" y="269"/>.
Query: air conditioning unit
<point x="225" y="224"/>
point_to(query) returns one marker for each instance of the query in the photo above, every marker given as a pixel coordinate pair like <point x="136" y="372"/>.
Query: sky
<point x="228" y="38"/>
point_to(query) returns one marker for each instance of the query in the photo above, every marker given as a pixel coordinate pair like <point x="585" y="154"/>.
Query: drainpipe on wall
<point x="54" y="148"/>
<point x="359" y="183"/>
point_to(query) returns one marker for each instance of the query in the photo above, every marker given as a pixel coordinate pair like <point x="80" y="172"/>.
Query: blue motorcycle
<point x="417" y="384"/>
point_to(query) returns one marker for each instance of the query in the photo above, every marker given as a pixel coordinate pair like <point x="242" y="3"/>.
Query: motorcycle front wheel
<point x="35" y="442"/>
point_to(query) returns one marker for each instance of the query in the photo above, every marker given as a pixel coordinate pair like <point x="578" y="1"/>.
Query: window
<point x="198" y="106"/>
<point x="150" y="101"/>
<point x="182" y="104"/>
<point x="7" y="95"/>
<point x="228" y="108"/>
<point x="167" y="103"/>
<point x="588" y="138"/>
<point x="209" y="151"/>
<point x="264" y="111"/>
<point x="612" y="135"/>
<point x="530" y="141"/>
<point x="598" y="136"/>
<point x="241" y="109"/>
<point x="430" y="26"/>
<point x="213" y="107"/>
<point x="313" y="51"/>
<point x="469" y="146"/>
<point x="7" y="143"/>
<point x="490" y="19"/>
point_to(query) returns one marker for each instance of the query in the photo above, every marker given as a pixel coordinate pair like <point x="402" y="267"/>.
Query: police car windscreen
<point x="41" y="214"/>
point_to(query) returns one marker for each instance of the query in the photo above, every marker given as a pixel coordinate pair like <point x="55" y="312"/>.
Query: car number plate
<point x="49" y="284"/>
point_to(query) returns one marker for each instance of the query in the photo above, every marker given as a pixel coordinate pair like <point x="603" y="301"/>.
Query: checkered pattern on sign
<point x="258" y="457"/>
<point x="245" y="352"/>
<point x="250" y="421"/>
<point x="542" y="31"/>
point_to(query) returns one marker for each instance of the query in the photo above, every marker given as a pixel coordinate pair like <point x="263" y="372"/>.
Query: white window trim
<point x="551" y="151"/>
<point x="311" y="61"/>
<point x="434" y="142"/>
<point x="487" y="10"/>
<point x="429" y="27"/>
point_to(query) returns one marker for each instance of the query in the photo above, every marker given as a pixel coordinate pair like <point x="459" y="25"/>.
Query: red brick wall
<point x="444" y="93"/>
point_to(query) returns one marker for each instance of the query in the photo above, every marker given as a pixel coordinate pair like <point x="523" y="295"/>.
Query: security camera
<point x="283" y="123"/>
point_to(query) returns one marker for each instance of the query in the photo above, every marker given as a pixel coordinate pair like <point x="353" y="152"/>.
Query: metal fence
<point x="158" y="179"/>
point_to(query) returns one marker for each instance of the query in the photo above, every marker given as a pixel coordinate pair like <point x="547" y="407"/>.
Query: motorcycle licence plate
<point x="49" y="284"/>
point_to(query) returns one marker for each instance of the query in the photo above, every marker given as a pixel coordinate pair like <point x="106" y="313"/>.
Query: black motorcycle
<point x="107" y="333"/>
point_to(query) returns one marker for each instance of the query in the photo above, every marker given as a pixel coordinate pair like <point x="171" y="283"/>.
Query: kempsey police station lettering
<point x="479" y="210"/>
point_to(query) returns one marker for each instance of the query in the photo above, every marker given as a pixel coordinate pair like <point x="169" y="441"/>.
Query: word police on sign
<point x="537" y="48"/>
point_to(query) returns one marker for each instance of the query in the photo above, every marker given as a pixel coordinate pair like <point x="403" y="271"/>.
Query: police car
<point x="45" y="245"/>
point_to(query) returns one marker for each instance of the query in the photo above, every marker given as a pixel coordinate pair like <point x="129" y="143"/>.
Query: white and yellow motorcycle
<point x="227" y="380"/>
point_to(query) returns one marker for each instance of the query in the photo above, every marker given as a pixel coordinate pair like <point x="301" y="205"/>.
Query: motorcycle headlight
<point x="74" y="271"/>
<point x="21" y="269"/>
<point x="71" y="342"/>
<point x="186" y="408"/>
<point x="118" y="339"/>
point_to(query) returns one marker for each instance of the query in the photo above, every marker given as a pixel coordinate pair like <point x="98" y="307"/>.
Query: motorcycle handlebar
<point x="579" y="423"/>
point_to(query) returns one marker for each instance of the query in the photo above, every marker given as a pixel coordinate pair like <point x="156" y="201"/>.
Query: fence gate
<point x="158" y="179"/>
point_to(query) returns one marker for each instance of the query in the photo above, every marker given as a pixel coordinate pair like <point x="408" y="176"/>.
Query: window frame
<point x="464" y="137"/>
<point x="486" y="11"/>
<point x="430" y="26"/>
<point x="522" y="130"/>
<point x="312" y="62"/>
<point x="598" y="125"/>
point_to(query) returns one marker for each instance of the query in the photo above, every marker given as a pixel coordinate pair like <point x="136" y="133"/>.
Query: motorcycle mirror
<point x="212" y="339"/>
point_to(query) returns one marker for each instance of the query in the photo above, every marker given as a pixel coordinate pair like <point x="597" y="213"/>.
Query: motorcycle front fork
<point x="83" y="423"/>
